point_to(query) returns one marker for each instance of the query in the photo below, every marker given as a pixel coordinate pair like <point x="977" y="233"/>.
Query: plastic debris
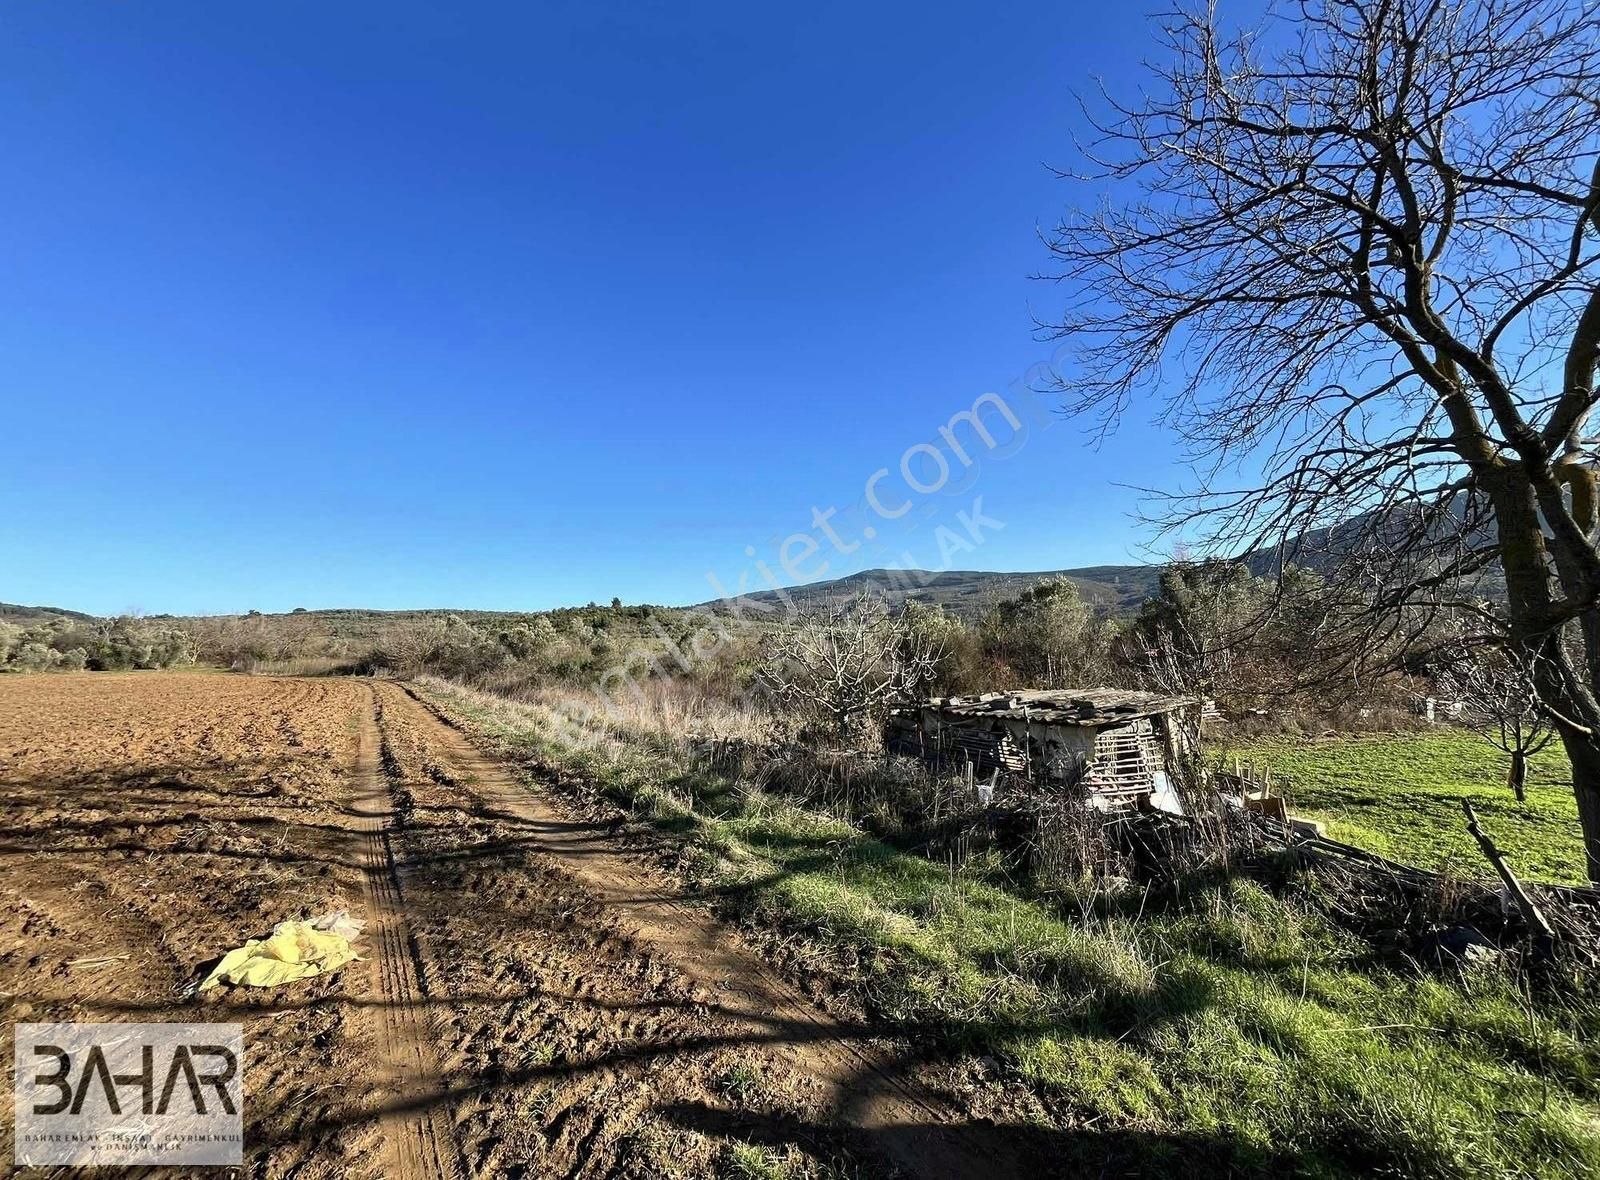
<point x="338" y="922"/>
<point x="294" y="950"/>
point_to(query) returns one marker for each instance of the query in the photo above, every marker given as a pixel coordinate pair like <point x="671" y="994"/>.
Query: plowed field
<point x="532" y="999"/>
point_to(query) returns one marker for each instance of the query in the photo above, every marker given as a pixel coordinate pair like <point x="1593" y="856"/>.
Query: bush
<point x="10" y="640"/>
<point x="35" y="657"/>
<point x="1230" y="1005"/>
<point x="73" y="644"/>
<point x="1049" y="636"/>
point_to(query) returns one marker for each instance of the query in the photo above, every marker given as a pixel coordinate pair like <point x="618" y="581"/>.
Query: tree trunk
<point x="1570" y="690"/>
<point x="1583" y="750"/>
<point x="1518" y="778"/>
<point x="1567" y="691"/>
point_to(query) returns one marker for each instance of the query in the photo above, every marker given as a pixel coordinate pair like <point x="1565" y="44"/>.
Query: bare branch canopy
<point x="1352" y="257"/>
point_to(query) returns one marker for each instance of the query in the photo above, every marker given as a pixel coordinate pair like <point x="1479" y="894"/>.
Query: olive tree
<point x="1048" y="635"/>
<point x="1353" y="257"/>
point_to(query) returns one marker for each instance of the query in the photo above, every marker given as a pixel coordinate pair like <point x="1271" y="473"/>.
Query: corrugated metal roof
<point x="1063" y="706"/>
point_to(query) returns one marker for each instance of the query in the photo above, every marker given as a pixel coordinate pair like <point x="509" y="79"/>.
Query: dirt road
<point x="534" y="1000"/>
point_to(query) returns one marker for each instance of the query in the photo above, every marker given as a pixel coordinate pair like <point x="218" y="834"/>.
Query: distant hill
<point x="1114" y="589"/>
<point x="361" y="623"/>
<point x="1118" y="590"/>
<point x="10" y="612"/>
<point x="1381" y="533"/>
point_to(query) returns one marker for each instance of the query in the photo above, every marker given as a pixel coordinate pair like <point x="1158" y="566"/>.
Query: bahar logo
<point x="96" y="1094"/>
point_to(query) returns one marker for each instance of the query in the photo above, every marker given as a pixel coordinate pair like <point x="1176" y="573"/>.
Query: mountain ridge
<point x="1113" y="589"/>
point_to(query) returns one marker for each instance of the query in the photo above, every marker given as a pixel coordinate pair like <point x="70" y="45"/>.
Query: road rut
<point x="418" y="1140"/>
<point x="848" y="1078"/>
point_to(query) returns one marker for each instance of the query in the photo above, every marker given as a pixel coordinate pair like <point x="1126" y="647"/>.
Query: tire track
<point x="418" y="1140"/>
<point x="866" y="1088"/>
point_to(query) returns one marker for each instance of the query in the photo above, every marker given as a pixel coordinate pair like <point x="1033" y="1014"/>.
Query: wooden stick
<point x="100" y="961"/>
<point x="1530" y="912"/>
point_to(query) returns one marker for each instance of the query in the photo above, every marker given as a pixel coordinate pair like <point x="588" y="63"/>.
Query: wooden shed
<point x="1116" y="743"/>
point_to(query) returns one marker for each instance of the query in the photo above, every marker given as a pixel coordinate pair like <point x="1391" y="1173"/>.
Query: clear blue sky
<point x="514" y="306"/>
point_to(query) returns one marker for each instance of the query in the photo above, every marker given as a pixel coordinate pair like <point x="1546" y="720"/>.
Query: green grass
<point x="1232" y="1031"/>
<point x="1400" y="795"/>
<point x="739" y="1083"/>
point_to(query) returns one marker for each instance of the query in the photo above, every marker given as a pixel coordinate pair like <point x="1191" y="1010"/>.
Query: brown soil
<point x="533" y="1000"/>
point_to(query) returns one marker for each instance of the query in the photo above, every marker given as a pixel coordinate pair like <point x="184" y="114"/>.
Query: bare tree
<point x="1176" y="661"/>
<point x="409" y="644"/>
<point x="1359" y="263"/>
<point x="848" y="660"/>
<point x="1498" y="696"/>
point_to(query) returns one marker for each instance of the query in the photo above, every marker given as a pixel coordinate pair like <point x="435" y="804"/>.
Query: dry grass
<point x="1226" y="1016"/>
<point x="300" y="666"/>
<point x="668" y="711"/>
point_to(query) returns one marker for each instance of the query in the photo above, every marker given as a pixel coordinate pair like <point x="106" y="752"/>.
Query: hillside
<point x="1115" y="589"/>
<point x="25" y="616"/>
<point x="1119" y="590"/>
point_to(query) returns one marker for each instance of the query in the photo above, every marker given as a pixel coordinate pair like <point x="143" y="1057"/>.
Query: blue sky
<point x="511" y="306"/>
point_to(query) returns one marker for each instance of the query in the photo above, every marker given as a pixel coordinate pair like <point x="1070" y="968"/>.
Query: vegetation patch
<point x="1225" y="1025"/>
<point x="1400" y="795"/>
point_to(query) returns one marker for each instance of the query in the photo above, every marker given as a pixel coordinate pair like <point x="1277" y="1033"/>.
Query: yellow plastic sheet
<point x="294" y="950"/>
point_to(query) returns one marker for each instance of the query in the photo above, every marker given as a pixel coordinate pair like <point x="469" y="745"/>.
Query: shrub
<point x="10" y="640"/>
<point x="35" y="657"/>
<point x="1049" y="636"/>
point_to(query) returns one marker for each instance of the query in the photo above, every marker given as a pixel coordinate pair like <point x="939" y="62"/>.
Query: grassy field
<point x="1234" y="1030"/>
<point x="1400" y="795"/>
